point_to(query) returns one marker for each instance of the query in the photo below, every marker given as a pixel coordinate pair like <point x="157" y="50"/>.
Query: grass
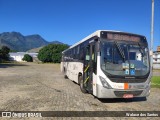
<point x="155" y="82"/>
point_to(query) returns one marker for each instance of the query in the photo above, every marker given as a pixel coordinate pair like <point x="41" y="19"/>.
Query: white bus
<point x="109" y="64"/>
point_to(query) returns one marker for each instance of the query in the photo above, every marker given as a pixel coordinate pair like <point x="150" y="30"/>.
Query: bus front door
<point x="88" y="68"/>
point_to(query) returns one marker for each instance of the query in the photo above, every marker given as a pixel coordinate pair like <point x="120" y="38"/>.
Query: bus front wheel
<point x="82" y="85"/>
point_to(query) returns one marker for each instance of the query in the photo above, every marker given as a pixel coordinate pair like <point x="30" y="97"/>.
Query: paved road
<point x="41" y="87"/>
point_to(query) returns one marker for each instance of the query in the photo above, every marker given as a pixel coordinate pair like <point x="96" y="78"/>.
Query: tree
<point x="5" y="49"/>
<point x="4" y="53"/>
<point x="27" y="58"/>
<point x="52" y="53"/>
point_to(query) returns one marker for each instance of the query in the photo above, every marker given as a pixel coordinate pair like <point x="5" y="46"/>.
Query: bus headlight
<point x="104" y="83"/>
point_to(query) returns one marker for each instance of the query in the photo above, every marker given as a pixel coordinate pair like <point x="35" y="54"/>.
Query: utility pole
<point x="152" y="33"/>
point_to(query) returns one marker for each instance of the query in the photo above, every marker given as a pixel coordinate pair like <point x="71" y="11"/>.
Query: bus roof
<point x="97" y="34"/>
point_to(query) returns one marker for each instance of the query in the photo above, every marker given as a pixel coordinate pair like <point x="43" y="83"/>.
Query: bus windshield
<point x="124" y="58"/>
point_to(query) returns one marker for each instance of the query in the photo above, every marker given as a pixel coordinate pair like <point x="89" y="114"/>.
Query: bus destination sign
<point x="116" y="36"/>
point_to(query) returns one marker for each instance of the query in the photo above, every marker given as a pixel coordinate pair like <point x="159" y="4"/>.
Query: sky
<point x="69" y="21"/>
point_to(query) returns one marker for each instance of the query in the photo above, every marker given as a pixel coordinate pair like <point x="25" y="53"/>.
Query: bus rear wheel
<point x="82" y="84"/>
<point x="65" y="76"/>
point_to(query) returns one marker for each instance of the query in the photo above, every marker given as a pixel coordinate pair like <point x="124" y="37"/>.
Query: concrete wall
<point x="19" y="55"/>
<point x="156" y="66"/>
<point x="17" y="58"/>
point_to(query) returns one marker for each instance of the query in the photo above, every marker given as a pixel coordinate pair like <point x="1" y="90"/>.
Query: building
<point x="18" y="56"/>
<point x="158" y="48"/>
<point x="156" y="58"/>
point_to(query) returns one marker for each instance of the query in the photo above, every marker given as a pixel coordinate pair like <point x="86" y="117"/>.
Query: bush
<point x="27" y="58"/>
<point x="52" y="53"/>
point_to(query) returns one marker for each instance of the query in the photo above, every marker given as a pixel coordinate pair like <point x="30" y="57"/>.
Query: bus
<point x="109" y="64"/>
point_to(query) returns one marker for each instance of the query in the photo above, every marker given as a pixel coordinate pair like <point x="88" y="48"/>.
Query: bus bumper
<point x="119" y="93"/>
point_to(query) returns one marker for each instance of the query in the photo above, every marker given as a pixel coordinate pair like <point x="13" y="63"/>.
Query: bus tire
<point x="82" y="85"/>
<point x="65" y="76"/>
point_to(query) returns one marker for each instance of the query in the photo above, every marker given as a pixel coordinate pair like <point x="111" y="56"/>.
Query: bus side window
<point x="81" y="57"/>
<point x="77" y="54"/>
<point x="87" y="57"/>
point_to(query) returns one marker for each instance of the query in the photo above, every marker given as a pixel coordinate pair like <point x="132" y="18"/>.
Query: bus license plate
<point x="128" y="96"/>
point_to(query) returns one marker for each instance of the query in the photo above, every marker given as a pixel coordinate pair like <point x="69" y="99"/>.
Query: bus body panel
<point x="94" y="84"/>
<point x="110" y="93"/>
<point x="62" y="66"/>
<point x="72" y="70"/>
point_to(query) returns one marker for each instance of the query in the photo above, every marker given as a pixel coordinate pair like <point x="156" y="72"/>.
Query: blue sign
<point x="132" y="71"/>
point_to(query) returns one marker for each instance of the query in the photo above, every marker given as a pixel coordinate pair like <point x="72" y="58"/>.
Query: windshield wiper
<point x="120" y="50"/>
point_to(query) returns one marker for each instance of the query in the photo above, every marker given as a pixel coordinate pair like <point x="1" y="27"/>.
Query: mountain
<point x="56" y="42"/>
<point x="35" y="50"/>
<point x="38" y="48"/>
<point x="17" y="41"/>
<point x="13" y="40"/>
<point x="35" y="41"/>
